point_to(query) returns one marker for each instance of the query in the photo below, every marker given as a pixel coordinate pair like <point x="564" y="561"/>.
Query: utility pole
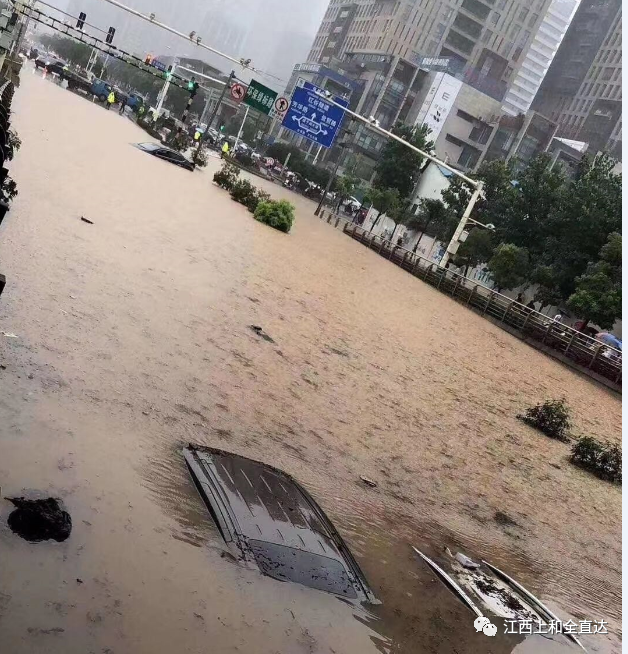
<point x="452" y="248"/>
<point x="165" y="87"/>
<point x="210" y="97"/>
<point x="246" y="115"/>
<point x="330" y="181"/>
<point x="210" y="122"/>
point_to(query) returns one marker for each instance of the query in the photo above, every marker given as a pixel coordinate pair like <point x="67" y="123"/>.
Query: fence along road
<point x="585" y="354"/>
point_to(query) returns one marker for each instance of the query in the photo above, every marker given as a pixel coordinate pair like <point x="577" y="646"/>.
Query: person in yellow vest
<point x="225" y="149"/>
<point x="111" y="98"/>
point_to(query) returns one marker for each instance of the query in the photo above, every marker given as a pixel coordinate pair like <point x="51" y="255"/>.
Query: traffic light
<point x="110" y="34"/>
<point x="169" y="73"/>
<point x="81" y="20"/>
<point x="222" y="128"/>
<point x="192" y="87"/>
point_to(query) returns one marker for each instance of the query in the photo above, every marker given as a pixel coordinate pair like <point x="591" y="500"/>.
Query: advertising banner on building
<point x="438" y="103"/>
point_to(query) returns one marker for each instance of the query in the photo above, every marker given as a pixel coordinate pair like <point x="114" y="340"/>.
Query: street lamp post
<point x="164" y="88"/>
<point x="330" y="181"/>
<point x="210" y="122"/>
<point x="466" y="217"/>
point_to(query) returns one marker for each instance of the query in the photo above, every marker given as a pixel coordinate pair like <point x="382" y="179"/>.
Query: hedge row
<point x="275" y="213"/>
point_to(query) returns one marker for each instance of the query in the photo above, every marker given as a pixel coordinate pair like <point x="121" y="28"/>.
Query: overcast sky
<point x="276" y="34"/>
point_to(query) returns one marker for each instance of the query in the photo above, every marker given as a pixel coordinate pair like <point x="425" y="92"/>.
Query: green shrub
<point x="260" y="196"/>
<point x="201" y="158"/>
<point x="276" y="213"/>
<point x="227" y="176"/>
<point x="551" y="417"/>
<point x="243" y="192"/>
<point x="602" y="459"/>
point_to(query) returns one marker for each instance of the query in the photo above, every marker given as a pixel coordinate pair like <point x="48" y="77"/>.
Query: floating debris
<point x="261" y="333"/>
<point x="37" y="520"/>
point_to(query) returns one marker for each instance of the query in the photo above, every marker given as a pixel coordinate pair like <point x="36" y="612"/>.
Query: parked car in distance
<point x="135" y="101"/>
<point x="50" y="64"/>
<point x="101" y="89"/>
<point x="166" y="153"/>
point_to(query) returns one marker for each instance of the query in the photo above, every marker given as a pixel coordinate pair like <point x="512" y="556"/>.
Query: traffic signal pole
<point x="210" y="122"/>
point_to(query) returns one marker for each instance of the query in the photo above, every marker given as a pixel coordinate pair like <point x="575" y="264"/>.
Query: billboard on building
<point x="438" y="102"/>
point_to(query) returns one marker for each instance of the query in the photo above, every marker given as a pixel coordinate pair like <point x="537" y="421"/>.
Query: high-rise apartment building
<point x="527" y="81"/>
<point x="582" y="88"/>
<point x="485" y="40"/>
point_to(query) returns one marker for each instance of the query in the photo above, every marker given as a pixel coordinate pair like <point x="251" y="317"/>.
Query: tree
<point x="548" y="292"/>
<point x="345" y="187"/>
<point x="477" y="249"/>
<point x="523" y="209"/>
<point x="598" y="292"/>
<point x="68" y="49"/>
<point x="588" y="212"/>
<point x="399" y="167"/>
<point x="435" y="218"/>
<point x="509" y="266"/>
<point x="400" y="213"/>
<point x="498" y="196"/>
<point x="384" y="200"/>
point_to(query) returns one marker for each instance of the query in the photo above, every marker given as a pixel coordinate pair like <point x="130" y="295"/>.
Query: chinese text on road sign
<point x="312" y="116"/>
<point x="260" y="97"/>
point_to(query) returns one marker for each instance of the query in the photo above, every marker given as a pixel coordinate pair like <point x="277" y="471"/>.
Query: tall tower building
<point x="582" y="88"/>
<point x="486" y="41"/>
<point x="539" y="57"/>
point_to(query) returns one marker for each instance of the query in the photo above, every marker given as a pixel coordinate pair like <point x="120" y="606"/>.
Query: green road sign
<point x="260" y="97"/>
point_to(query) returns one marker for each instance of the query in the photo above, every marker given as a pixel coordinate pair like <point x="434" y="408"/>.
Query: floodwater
<point x="133" y="339"/>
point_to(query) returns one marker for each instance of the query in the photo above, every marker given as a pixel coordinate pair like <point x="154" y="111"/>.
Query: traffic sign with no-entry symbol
<point x="238" y="91"/>
<point x="280" y="107"/>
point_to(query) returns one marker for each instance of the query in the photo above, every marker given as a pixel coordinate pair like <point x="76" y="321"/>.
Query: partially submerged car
<point x="486" y="590"/>
<point x="269" y="520"/>
<point x="166" y="153"/>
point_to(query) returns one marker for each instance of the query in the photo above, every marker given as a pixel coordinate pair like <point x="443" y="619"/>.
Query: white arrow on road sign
<point x="309" y="125"/>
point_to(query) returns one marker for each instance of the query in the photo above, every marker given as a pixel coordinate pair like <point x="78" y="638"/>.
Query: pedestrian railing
<point x="6" y="96"/>
<point x="569" y="345"/>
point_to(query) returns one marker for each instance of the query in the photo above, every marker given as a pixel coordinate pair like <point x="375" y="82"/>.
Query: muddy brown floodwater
<point x="133" y="339"/>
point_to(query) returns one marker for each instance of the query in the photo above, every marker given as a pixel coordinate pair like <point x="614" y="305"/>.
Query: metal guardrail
<point x="569" y="345"/>
<point x="6" y="96"/>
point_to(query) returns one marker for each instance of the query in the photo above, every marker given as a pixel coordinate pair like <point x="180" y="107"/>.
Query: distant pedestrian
<point x="122" y="106"/>
<point x="224" y="150"/>
<point x="111" y="98"/>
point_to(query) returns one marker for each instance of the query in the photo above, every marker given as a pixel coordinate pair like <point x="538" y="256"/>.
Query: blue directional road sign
<point x="310" y="115"/>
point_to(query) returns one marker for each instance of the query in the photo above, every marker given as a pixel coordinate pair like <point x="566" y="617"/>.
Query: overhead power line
<point x="192" y="37"/>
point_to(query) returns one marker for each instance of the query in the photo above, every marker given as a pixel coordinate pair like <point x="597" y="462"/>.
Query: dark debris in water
<point x="37" y="520"/>
<point x="261" y="333"/>
<point x="504" y="519"/>
<point x="488" y="587"/>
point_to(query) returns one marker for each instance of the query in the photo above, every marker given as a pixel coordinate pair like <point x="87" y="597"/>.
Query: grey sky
<point x="275" y="34"/>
